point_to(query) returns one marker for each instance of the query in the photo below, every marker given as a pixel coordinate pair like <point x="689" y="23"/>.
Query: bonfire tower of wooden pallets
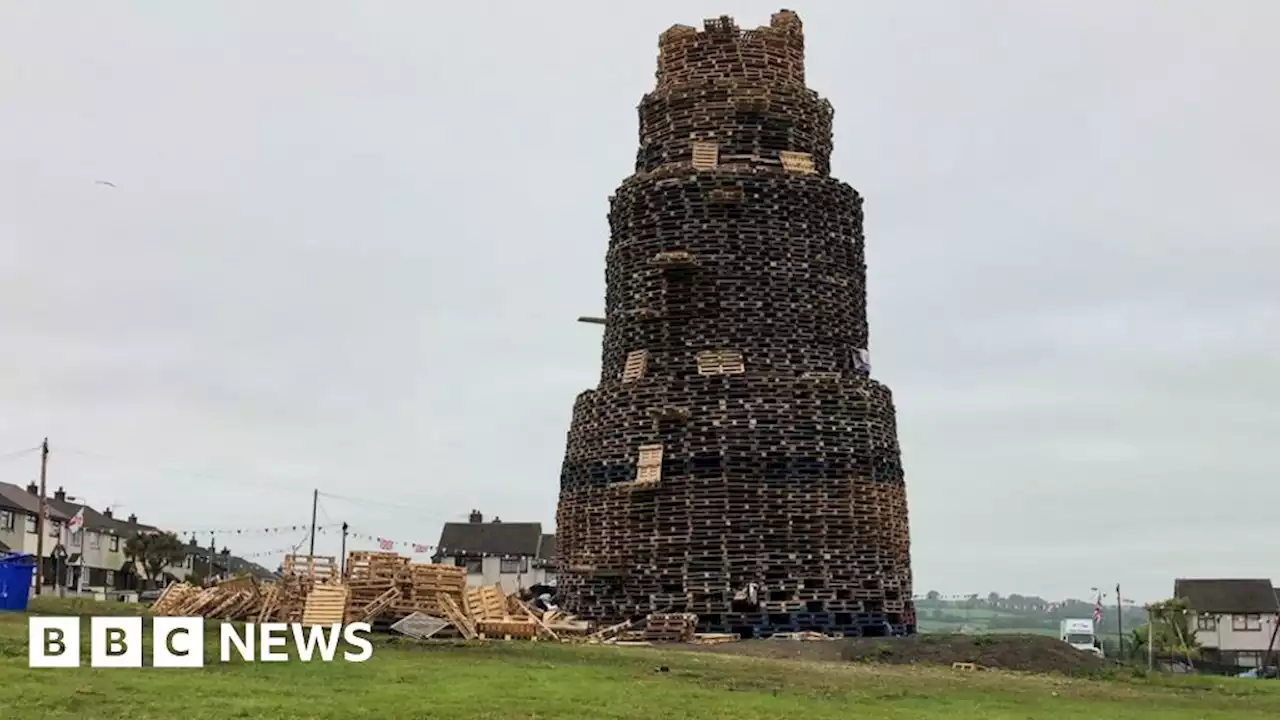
<point x="736" y="460"/>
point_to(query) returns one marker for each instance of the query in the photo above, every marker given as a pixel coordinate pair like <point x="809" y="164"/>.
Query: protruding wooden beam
<point x="592" y="320"/>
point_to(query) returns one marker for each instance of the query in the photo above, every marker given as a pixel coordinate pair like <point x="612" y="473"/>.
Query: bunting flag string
<point x="255" y="530"/>
<point x="384" y="544"/>
<point x="267" y="553"/>
<point x="390" y="545"/>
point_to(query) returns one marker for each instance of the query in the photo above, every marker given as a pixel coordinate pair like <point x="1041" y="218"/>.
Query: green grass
<point x="544" y="680"/>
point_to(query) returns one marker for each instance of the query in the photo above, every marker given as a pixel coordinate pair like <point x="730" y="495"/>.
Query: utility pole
<point x="213" y="549"/>
<point x="343" y="557"/>
<point x="44" y="464"/>
<point x="1120" y="620"/>
<point x="315" y="502"/>
<point x="1151" y="639"/>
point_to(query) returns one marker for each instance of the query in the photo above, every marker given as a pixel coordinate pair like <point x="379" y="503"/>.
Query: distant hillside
<point x="1015" y="613"/>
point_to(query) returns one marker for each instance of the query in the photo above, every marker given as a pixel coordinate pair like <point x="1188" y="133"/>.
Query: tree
<point x="154" y="552"/>
<point x="933" y="595"/>
<point x="1172" y="631"/>
<point x="993" y="599"/>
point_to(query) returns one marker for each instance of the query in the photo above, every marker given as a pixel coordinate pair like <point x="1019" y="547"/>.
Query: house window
<point x="77" y="538"/>
<point x="1207" y="622"/>
<point x="31" y="524"/>
<point x="115" y="543"/>
<point x="510" y="566"/>
<point x="110" y="580"/>
<point x="1246" y="623"/>
<point x="7" y="520"/>
<point x="95" y="541"/>
<point x="475" y="566"/>
<point x="55" y="529"/>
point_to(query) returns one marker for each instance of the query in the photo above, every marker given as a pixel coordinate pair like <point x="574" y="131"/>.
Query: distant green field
<point x="552" y="681"/>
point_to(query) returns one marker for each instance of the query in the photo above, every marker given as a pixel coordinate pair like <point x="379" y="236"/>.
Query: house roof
<point x="547" y="548"/>
<point x="1227" y="595"/>
<point x="14" y="496"/>
<point x="17" y="498"/>
<point x="490" y="538"/>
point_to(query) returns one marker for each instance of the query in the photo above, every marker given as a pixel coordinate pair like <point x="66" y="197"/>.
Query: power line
<point x="256" y="482"/>
<point x="19" y="453"/>
<point x="389" y="506"/>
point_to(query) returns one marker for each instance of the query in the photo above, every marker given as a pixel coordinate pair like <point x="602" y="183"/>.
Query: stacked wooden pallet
<point x="389" y="587"/>
<point x="375" y="587"/>
<point x="735" y="438"/>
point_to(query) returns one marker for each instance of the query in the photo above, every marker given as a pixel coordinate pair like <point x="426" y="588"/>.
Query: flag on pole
<point x="385" y="544"/>
<point x="1097" y="610"/>
<point x="76" y="521"/>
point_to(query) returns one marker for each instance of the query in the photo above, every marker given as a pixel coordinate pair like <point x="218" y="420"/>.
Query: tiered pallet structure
<point x="736" y="460"/>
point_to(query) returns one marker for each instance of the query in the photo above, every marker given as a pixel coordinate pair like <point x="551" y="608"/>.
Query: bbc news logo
<point x="178" y="642"/>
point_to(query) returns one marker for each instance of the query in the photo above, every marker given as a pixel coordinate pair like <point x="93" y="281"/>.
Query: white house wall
<point x="1230" y="640"/>
<point x="491" y="574"/>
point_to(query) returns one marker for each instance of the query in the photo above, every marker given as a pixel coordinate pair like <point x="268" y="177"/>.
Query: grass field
<point x="524" y="680"/>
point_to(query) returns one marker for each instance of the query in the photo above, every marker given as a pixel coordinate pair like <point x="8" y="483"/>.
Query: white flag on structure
<point x="76" y="521"/>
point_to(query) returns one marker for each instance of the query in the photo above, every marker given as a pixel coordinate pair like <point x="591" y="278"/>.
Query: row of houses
<point x="92" y="558"/>
<point x="517" y="556"/>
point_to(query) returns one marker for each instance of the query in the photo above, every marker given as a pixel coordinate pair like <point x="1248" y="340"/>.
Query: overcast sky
<point x="347" y="243"/>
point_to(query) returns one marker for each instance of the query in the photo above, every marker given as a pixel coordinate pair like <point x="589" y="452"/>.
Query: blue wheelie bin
<point x="16" y="572"/>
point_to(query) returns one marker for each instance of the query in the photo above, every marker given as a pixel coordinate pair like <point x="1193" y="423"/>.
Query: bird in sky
<point x="105" y="182"/>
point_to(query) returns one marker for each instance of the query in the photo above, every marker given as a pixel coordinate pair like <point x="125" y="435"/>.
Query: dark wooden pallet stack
<point x="736" y="460"/>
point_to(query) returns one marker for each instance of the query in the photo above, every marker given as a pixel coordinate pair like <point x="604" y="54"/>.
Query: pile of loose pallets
<point x="375" y="588"/>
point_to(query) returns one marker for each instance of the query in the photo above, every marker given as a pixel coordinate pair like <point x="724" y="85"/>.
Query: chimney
<point x="107" y="512"/>
<point x="476" y="517"/>
<point x="60" y="495"/>
<point x="133" y="519"/>
<point x="497" y="519"/>
<point x="33" y="488"/>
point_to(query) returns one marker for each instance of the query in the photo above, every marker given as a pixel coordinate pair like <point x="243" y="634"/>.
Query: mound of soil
<point x="1027" y="653"/>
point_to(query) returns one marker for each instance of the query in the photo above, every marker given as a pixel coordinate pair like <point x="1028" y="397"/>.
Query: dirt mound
<point x="1028" y="653"/>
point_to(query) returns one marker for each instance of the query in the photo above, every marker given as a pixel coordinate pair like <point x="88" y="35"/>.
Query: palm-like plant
<point x="154" y="552"/>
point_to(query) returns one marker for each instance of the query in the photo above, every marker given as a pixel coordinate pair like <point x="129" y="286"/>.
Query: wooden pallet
<point x="325" y="605"/>
<point x="507" y="629"/>
<point x="315" y="568"/>
<point x="486" y="603"/>
<point x="797" y="162"/>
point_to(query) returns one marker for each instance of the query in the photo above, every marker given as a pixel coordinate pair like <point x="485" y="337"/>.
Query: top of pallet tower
<point x="721" y="51"/>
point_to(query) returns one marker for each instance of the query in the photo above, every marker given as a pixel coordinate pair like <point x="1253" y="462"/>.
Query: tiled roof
<point x="547" y="548"/>
<point x="490" y="538"/>
<point x="1228" y="596"/>
<point x="17" y="498"/>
